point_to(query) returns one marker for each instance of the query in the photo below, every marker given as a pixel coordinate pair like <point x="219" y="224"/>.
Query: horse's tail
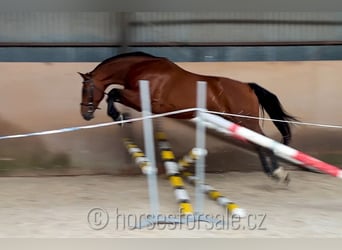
<point x="270" y="102"/>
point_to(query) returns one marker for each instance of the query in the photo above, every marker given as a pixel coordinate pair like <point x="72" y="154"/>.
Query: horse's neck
<point x="115" y="72"/>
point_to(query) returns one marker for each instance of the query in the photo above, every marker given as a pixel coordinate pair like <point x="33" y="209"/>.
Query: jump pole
<point x="188" y="160"/>
<point x="173" y="174"/>
<point x="172" y="169"/>
<point x="137" y="155"/>
<point x="279" y="149"/>
<point x="175" y="171"/>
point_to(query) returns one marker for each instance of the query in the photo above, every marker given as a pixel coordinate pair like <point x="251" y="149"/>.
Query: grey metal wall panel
<point x="237" y="27"/>
<point x="178" y="54"/>
<point x="180" y="28"/>
<point x="58" y="27"/>
<point x="171" y="27"/>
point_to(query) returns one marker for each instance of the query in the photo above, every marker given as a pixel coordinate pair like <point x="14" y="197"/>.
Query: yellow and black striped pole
<point x="138" y="155"/>
<point x="174" y="176"/>
<point x="185" y="163"/>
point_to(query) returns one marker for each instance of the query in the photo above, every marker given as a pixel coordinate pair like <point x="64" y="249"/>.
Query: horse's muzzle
<point x="88" y="116"/>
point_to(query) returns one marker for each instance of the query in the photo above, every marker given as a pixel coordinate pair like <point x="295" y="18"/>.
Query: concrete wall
<point x="45" y="96"/>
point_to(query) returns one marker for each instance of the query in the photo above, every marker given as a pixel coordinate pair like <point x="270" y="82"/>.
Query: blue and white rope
<point x="70" y="129"/>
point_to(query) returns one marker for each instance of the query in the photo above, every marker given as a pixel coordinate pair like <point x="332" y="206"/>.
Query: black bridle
<point x="90" y="93"/>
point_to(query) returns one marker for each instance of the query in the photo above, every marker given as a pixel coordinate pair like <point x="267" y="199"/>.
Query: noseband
<point x="90" y="93"/>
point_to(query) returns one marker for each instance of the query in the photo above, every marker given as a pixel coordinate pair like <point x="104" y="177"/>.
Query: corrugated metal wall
<point x="179" y="27"/>
<point x="237" y="27"/>
<point x="54" y="27"/>
<point x="181" y="36"/>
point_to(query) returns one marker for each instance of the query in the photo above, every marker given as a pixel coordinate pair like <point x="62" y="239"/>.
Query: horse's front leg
<point x="115" y="96"/>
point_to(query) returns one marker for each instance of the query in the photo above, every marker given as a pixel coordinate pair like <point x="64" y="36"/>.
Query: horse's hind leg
<point x="272" y="168"/>
<point x="278" y="172"/>
<point x="267" y="169"/>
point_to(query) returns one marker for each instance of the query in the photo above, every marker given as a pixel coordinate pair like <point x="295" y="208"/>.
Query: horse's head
<point x="92" y="94"/>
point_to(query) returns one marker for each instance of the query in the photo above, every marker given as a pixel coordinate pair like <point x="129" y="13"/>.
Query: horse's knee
<point x="114" y="95"/>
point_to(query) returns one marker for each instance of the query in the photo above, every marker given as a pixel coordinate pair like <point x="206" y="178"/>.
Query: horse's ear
<point x="84" y="76"/>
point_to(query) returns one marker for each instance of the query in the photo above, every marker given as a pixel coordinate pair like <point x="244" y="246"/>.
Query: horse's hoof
<point x="281" y="175"/>
<point x="126" y="116"/>
<point x="123" y="117"/>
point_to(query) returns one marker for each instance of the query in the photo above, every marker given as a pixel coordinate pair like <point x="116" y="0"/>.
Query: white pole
<point x="149" y="146"/>
<point x="200" y="146"/>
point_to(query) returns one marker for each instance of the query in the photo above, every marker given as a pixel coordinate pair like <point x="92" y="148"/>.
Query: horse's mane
<point x="129" y="54"/>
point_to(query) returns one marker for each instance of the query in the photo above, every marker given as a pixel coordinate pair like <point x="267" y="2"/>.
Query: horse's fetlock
<point x="281" y="175"/>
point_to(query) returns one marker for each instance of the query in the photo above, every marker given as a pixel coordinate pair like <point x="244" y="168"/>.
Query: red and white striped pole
<point x="278" y="148"/>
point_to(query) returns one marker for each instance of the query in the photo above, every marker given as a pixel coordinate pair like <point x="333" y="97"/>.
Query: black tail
<point x="270" y="102"/>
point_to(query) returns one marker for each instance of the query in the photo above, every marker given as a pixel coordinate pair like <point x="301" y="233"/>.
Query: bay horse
<point x="173" y="88"/>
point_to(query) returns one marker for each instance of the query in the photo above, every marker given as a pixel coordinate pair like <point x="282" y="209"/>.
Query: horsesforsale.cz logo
<point x="98" y="218"/>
